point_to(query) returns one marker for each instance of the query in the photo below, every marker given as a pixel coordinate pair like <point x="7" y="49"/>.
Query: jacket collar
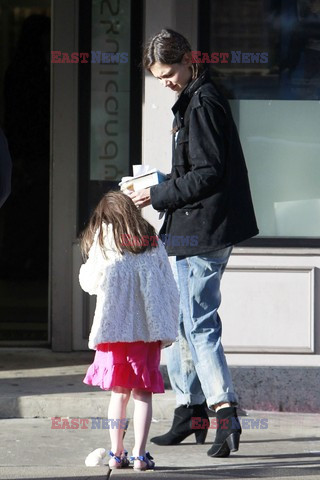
<point x="188" y="91"/>
<point x="183" y="101"/>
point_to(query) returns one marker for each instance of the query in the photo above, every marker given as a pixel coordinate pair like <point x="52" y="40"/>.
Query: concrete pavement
<point x="288" y="449"/>
<point x="36" y="385"/>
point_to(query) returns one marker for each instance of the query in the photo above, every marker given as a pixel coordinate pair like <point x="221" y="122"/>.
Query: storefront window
<point x="110" y="90"/>
<point x="271" y="76"/>
<point x="25" y="120"/>
<point x="110" y="97"/>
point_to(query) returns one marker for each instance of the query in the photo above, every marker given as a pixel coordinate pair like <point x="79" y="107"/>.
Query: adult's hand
<point x="141" y="198"/>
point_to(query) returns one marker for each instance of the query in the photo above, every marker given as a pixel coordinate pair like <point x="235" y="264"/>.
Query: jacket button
<point x="187" y="213"/>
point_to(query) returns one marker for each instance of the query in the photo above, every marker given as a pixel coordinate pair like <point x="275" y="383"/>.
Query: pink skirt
<point x="128" y="365"/>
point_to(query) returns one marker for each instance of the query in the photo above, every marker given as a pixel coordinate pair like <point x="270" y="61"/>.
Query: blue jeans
<point x="196" y="362"/>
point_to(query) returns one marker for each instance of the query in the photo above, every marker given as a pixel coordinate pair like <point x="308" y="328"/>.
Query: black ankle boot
<point x="186" y="420"/>
<point x="228" y="433"/>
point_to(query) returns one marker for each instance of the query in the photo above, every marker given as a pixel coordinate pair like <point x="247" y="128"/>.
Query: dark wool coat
<point x="207" y="196"/>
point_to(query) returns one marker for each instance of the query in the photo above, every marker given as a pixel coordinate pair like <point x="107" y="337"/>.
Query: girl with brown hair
<point x="136" y="314"/>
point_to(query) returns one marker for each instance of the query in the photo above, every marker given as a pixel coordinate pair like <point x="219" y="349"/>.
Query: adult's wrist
<point x="156" y="198"/>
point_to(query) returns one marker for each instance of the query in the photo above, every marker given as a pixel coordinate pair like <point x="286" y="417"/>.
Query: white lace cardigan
<point x="137" y="296"/>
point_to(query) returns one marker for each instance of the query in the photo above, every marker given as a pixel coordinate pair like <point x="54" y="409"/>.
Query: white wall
<point x="271" y="307"/>
<point x="158" y="100"/>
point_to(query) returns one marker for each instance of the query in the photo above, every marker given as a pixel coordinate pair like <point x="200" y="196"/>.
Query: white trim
<point x="300" y="252"/>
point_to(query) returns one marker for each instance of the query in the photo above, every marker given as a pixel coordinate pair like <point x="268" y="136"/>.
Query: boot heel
<point x="182" y="426"/>
<point x="201" y="436"/>
<point x="233" y="441"/>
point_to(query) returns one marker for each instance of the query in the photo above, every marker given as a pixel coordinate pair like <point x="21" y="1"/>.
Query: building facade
<point x="107" y="116"/>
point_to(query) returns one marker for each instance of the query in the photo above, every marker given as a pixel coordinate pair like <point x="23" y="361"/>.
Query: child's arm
<point x="91" y="272"/>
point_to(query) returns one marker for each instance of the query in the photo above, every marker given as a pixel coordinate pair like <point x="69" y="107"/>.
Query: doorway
<point x="24" y="218"/>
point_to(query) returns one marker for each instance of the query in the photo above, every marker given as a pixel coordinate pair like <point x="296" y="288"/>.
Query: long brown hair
<point x="168" y="47"/>
<point x="131" y="231"/>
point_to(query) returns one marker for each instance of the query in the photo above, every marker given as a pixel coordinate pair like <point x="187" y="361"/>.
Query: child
<point x="136" y="313"/>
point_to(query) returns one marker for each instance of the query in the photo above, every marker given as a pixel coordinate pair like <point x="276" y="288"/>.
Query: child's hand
<point x="141" y="198"/>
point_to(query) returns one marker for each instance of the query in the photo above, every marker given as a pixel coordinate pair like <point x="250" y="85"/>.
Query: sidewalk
<point x="289" y="448"/>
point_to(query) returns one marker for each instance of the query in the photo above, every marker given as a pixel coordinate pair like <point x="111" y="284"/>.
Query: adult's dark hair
<point x="168" y="47"/>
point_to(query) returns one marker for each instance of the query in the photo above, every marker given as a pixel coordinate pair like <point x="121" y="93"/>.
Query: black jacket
<point x="207" y="195"/>
<point x="5" y="169"/>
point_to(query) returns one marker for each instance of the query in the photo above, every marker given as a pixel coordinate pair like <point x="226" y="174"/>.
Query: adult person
<point x="5" y="169"/>
<point x="208" y="209"/>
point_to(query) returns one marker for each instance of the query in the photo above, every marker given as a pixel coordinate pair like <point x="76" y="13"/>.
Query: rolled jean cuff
<point x="225" y="398"/>
<point x="188" y="399"/>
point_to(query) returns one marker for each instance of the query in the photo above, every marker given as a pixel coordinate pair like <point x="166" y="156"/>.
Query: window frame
<point x="204" y="12"/>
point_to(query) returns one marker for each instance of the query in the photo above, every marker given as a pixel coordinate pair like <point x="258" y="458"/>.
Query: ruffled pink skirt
<point x="128" y="365"/>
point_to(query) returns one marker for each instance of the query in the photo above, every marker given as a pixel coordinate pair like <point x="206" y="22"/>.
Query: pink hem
<point x="129" y="365"/>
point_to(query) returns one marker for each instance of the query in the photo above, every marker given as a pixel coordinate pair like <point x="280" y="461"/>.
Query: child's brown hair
<point x="130" y="230"/>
